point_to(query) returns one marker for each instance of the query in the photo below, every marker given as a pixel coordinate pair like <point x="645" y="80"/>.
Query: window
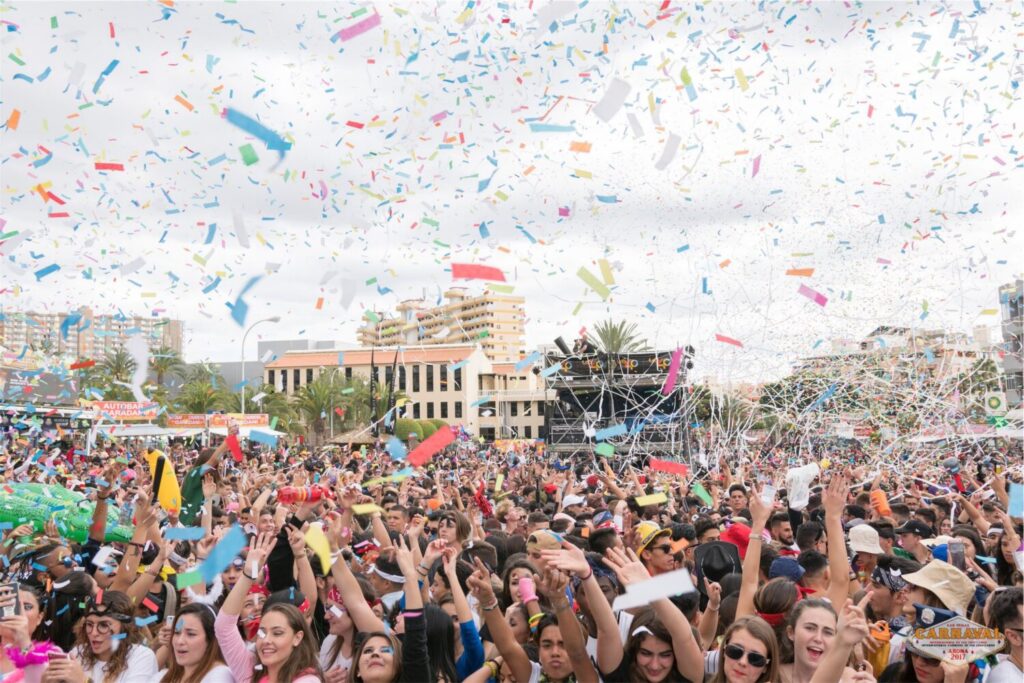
<point x="309" y="375"/>
<point x="540" y="407"/>
<point x="296" y="377"/>
<point x="457" y="380"/>
<point x="401" y="378"/>
<point x="458" y="409"/>
<point x="444" y="410"/>
<point x="430" y="378"/>
<point x="416" y="382"/>
<point x="415" y="411"/>
<point x="348" y="373"/>
<point x="444" y="378"/>
<point x="514" y="408"/>
<point x="284" y="380"/>
<point x="271" y="379"/>
<point x="527" y="408"/>
<point x="528" y="432"/>
<point x="389" y="376"/>
<point x="430" y="410"/>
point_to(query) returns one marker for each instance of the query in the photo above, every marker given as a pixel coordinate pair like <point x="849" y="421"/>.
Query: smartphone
<point x="956" y="555"/>
<point x="10" y="605"/>
<point x="52" y="655"/>
<point x="768" y="494"/>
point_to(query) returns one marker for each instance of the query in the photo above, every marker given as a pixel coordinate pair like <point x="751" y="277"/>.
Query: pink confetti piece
<point x="728" y="340"/>
<point x="816" y="297"/>
<point x="757" y="166"/>
<point x="673" y="370"/>
<point x="359" y="28"/>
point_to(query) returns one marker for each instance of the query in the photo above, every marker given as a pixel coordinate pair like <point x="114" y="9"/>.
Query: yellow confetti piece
<point x="366" y="509"/>
<point x="583" y="174"/>
<point x="653" y="499"/>
<point x="741" y="79"/>
<point x="593" y="282"/>
<point x="606" y="272"/>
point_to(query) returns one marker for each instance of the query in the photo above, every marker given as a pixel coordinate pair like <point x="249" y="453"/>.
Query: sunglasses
<point x="665" y="548"/>
<point x="447" y="522"/>
<point x="754" y="659"/>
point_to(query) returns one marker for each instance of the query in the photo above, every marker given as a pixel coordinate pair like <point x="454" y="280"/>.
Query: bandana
<point x="892" y="580"/>
<point x="775" y="619"/>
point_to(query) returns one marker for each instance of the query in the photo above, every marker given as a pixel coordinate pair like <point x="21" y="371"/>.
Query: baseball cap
<point x="786" y="567"/>
<point x="915" y="526"/>
<point x="739" y="535"/>
<point x="647" y="531"/>
<point x="573" y="499"/>
<point x="947" y="582"/>
<point x="864" y="539"/>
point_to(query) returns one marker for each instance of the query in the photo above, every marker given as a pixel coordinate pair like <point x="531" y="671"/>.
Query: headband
<point x="891" y="579"/>
<point x="774" y="619"/>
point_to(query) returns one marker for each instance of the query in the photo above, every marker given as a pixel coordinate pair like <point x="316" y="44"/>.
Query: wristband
<point x="584" y="578"/>
<point x="492" y="667"/>
<point x="490" y="608"/>
<point x="251" y="578"/>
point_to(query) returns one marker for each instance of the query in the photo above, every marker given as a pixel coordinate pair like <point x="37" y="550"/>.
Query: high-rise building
<point x="1013" y="332"/>
<point x="84" y="334"/>
<point x="492" y="320"/>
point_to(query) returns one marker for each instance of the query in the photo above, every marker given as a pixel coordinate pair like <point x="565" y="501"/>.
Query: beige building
<point x="91" y="336"/>
<point x="494" y="321"/>
<point x="452" y="382"/>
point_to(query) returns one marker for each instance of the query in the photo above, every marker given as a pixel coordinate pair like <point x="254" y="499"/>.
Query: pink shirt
<point x="237" y="656"/>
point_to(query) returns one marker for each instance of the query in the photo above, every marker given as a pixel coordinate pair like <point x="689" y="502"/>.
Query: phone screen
<point x="956" y="555"/>
<point x="10" y="605"/>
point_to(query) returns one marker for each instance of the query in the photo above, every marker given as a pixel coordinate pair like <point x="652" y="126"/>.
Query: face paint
<point x="336" y="611"/>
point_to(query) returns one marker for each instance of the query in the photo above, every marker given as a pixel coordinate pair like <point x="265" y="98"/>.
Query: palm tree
<point x="199" y="397"/>
<point x="118" y="366"/>
<point x="620" y="337"/>
<point x="166" y="361"/>
<point x="316" y="400"/>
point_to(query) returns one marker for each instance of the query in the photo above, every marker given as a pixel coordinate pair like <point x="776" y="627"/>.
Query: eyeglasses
<point x="101" y="627"/>
<point x="665" y="548"/>
<point x="926" y="661"/>
<point x="755" y="659"/>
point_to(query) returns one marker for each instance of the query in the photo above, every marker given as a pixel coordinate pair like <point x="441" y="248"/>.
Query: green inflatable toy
<point x="36" y="504"/>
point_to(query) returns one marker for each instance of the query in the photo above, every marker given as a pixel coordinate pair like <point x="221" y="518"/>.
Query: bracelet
<point x="562" y="607"/>
<point x="254" y="579"/>
<point x="492" y="667"/>
<point x="535" y="619"/>
<point x="490" y="608"/>
<point x="584" y="578"/>
<point x="712" y="609"/>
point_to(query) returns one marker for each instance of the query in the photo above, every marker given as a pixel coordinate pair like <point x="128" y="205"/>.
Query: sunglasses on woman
<point x="754" y="659"/>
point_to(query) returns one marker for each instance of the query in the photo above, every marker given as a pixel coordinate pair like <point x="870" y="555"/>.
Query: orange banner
<point x="187" y="421"/>
<point x="247" y="420"/>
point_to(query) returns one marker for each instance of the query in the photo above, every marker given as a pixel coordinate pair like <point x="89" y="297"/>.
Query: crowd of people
<point x="350" y="565"/>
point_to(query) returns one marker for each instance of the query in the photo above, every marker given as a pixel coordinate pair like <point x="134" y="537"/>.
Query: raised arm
<point x="833" y="500"/>
<point x="851" y="630"/>
<point x="303" y="569"/>
<point x="255" y="560"/>
<point x="145" y="515"/>
<point x="709" y="619"/>
<point x="501" y="632"/>
<point x="609" y="641"/>
<point x="553" y="584"/>
<point x="759" y="512"/>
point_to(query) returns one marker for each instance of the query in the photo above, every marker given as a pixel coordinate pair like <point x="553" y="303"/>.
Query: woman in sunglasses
<point x="749" y="654"/>
<point x="109" y="645"/>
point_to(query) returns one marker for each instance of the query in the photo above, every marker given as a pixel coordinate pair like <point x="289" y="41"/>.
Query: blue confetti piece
<point x="528" y="361"/>
<point x="610" y="432"/>
<point x="396" y="449"/>
<point x="223" y="554"/>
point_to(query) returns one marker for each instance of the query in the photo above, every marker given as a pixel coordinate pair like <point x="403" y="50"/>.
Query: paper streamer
<point x="669" y="152"/>
<point x="432" y="445"/>
<point x="612" y="100"/>
<point x="673" y="371"/>
<point x="610" y="432"/>
<point x="528" y="361"/>
<point x="357" y="29"/>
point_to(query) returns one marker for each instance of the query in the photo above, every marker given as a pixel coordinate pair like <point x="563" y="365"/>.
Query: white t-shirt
<point x="1004" y="672"/>
<point x="218" y="674"/>
<point x="142" y="667"/>
<point x="341" y="662"/>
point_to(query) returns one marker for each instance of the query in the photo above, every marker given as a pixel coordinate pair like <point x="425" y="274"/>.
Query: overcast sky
<point x="878" y="144"/>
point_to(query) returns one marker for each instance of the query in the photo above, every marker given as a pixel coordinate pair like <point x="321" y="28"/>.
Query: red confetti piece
<point x="471" y="271"/>
<point x="82" y="364"/>
<point x="728" y="340"/>
<point x="431" y="446"/>
<point x="668" y="466"/>
<point x="353" y="124"/>
<point x="107" y="166"/>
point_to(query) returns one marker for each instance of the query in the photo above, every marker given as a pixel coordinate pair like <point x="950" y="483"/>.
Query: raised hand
<point x="833" y="499"/>
<point x="760" y="511"/>
<point x="714" y="593"/>
<point x="209" y="486"/>
<point x="260" y="551"/>
<point x="568" y="559"/>
<point x="552" y="583"/>
<point x="628" y="568"/>
<point x="296" y="540"/>
<point x="853" y="625"/>
<point x="480" y="583"/>
<point x="403" y="556"/>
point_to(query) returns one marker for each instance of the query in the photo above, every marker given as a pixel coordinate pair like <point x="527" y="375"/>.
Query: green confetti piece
<point x="188" y="579"/>
<point x="248" y="155"/>
<point x="699" y="491"/>
<point x="273" y="422"/>
<point x="14" y="58"/>
<point x="53" y="22"/>
<point x="372" y="317"/>
<point x="605" y="449"/>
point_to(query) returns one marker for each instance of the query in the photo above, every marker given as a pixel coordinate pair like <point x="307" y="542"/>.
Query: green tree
<point x="118" y="366"/>
<point x="405" y="427"/>
<point x="316" y="401"/>
<point x="428" y="428"/>
<point x="618" y="337"/>
<point x="199" y="396"/>
<point x="166" y="361"/>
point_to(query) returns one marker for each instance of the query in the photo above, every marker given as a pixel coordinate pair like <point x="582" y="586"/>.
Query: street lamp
<point x="272" y="319"/>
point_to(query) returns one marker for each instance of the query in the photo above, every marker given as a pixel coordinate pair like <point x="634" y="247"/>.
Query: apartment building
<point x="1011" y="305"/>
<point x="83" y="333"/>
<point x="457" y="383"/>
<point x="494" y="320"/>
